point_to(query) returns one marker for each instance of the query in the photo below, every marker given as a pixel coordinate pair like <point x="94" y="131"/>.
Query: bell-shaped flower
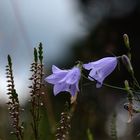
<point x="65" y="80"/>
<point x="100" y="69"/>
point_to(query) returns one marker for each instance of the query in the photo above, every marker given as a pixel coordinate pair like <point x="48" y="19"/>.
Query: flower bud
<point x="127" y="63"/>
<point x="126" y="41"/>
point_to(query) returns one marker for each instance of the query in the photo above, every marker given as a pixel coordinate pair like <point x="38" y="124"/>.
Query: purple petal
<point x="55" y="78"/>
<point x="98" y="85"/>
<point x="101" y="69"/>
<point x="57" y="70"/>
<point x="108" y="68"/>
<point x="88" y="66"/>
<point x="72" y="76"/>
<point x="96" y="75"/>
<point x="100" y="63"/>
<point x="65" y="80"/>
<point x="92" y="75"/>
<point x="60" y="87"/>
<point x="73" y="89"/>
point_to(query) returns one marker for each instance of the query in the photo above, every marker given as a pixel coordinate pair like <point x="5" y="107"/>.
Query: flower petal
<point x="74" y="76"/>
<point x="108" y="69"/>
<point x="77" y="86"/>
<point x="73" y="89"/>
<point x="55" y="78"/>
<point x="60" y="87"/>
<point x="64" y="80"/>
<point x="98" y="85"/>
<point x="88" y="66"/>
<point x="57" y="70"/>
<point x="101" y="69"/>
<point x="96" y="75"/>
<point x="100" y="63"/>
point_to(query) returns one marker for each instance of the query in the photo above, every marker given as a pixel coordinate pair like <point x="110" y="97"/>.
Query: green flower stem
<point x="110" y="86"/>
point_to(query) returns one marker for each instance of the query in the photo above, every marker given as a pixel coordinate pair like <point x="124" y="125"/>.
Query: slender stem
<point x="135" y="81"/>
<point x="114" y="87"/>
<point x="107" y="85"/>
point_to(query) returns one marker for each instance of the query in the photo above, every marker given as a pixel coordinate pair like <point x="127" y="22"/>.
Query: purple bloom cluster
<point x="65" y="80"/>
<point x="68" y="80"/>
<point x="101" y="69"/>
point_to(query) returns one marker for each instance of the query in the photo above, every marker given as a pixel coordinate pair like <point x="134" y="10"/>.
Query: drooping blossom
<point x="100" y="69"/>
<point x="64" y="80"/>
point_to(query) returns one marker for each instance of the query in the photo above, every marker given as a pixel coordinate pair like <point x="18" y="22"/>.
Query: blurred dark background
<point x="84" y="30"/>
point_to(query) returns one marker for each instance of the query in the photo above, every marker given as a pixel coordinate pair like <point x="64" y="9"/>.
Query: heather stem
<point x="36" y="89"/>
<point x="14" y="106"/>
<point x="113" y="127"/>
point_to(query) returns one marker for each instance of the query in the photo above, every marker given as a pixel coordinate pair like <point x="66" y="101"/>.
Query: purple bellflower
<point x="65" y="80"/>
<point x="101" y="69"/>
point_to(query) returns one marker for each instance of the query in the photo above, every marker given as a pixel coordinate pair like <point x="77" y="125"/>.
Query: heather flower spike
<point x="100" y="69"/>
<point x="65" y="80"/>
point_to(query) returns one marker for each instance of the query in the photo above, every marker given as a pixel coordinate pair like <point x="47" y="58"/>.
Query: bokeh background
<point x="70" y="30"/>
